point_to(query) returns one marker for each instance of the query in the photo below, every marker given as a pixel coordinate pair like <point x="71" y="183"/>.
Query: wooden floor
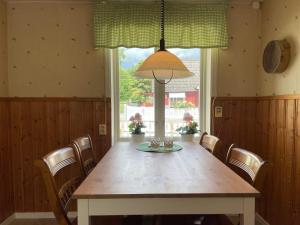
<point x="49" y="222"/>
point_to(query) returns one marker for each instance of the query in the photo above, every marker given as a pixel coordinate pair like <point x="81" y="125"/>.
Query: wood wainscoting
<point x="6" y="187"/>
<point x="270" y="127"/>
<point x="37" y="126"/>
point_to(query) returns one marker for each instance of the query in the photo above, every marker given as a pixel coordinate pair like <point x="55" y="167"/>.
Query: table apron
<point x="159" y="206"/>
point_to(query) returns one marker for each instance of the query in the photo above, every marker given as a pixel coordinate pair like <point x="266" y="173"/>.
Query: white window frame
<point x="208" y="70"/>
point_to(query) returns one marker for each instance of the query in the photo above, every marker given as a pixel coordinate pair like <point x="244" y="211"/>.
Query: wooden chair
<point x="53" y="167"/>
<point x="248" y="165"/>
<point x="251" y="167"/>
<point x="210" y="143"/>
<point x="84" y="149"/>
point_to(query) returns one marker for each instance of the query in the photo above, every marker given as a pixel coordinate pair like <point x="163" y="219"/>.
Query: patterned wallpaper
<point x="281" y="19"/>
<point x="3" y="51"/>
<point x="238" y="69"/>
<point x="51" y="51"/>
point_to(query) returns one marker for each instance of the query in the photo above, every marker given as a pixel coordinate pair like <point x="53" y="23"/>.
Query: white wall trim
<point x="205" y="89"/>
<point x="114" y="93"/>
<point x="34" y="215"/>
<point x="40" y="215"/>
<point x="8" y="220"/>
<point x="260" y="220"/>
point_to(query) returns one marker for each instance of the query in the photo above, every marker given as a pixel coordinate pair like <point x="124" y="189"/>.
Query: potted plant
<point x="189" y="129"/>
<point x="135" y="128"/>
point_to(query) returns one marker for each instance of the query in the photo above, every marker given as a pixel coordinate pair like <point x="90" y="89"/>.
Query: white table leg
<point x="83" y="212"/>
<point x="248" y="216"/>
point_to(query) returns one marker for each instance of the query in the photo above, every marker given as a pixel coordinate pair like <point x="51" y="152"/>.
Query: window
<point x="182" y="95"/>
<point x="135" y="95"/>
<point x="162" y="106"/>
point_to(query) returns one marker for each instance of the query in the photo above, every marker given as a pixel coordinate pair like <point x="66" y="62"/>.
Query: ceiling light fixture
<point x="162" y="65"/>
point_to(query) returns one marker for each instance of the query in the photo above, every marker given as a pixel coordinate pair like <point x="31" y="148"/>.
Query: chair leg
<point x="157" y="220"/>
<point x="239" y="223"/>
<point x="149" y="220"/>
<point x="199" y="220"/>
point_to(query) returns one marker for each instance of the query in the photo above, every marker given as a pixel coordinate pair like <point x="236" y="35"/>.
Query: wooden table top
<point x="125" y="172"/>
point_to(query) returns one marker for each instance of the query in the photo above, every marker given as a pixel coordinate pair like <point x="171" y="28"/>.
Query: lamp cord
<point x="160" y="82"/>
<point x="162" y="46"/>
<point x="162" y="19"/>
<point x="162" y="40"/>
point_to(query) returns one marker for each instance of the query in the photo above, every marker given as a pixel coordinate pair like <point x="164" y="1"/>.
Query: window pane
<point x="136" y="95"/>
<point x="182" y="95"/>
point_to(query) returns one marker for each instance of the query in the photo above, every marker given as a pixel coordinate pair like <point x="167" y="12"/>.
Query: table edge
<point x="135" y="196"/>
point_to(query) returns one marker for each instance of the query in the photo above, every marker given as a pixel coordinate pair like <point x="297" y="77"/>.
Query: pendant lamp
<point x="162" y="65"/>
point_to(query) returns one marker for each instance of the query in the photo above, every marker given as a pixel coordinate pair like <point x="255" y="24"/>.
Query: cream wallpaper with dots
<point x="3" y="51"/>
<point x="238" y="69"/>
<point x="281" y="20"/>
<point x="50" y="51"/>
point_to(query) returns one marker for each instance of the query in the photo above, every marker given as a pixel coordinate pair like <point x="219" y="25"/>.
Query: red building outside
<point x="183" y="92"/>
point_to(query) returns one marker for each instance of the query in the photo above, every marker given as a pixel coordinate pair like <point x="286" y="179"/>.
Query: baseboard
<point x="8" y="220"/>
<point x="34" y="215"/>
<point x="40" y="215"/>
<point x="260" y="220"/>
<point x="49" y="215"/>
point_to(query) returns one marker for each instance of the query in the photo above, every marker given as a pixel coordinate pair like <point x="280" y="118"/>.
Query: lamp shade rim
<point x="163" y="65"/>
<point x="163" y="74"/>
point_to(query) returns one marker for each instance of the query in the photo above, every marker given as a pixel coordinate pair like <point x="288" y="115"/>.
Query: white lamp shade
<point x="163" y="64"/>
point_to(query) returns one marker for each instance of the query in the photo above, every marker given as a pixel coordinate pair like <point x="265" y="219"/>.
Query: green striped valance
<point x="200" y="24"/>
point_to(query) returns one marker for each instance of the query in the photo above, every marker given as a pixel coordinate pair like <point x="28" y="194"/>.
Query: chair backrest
<point x="62" y="174"/>
<point x="210" y="143"/>
<point x="248" y="165"/>
<point x="84" y="148"/>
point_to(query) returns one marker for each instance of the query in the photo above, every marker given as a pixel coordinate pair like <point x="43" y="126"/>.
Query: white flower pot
<point x="137" y="138"/>
<point x="187" y="137"/>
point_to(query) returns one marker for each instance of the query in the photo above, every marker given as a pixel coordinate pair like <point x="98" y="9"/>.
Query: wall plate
<point x="218" y="111"/>
<point x="102" y="129"/>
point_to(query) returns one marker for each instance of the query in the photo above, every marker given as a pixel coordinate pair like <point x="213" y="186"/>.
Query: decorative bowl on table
<point x="168" y="143"/>
<point x="155" y="143"/>
<point x="157" y="146"/>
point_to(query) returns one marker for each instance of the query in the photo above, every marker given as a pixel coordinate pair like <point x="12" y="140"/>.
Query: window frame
<point x="208" y="69"/>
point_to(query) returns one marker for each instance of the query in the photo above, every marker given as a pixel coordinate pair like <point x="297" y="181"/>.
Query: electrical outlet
<point x="218" y="111"/>
<point x="102" y="129"/>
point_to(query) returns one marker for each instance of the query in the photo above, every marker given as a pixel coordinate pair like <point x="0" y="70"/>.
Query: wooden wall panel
<point x="296" y="166"/>
<point x="40" y="125"/>
<point x="6" y="193"/>
<point x="268" y="126"/>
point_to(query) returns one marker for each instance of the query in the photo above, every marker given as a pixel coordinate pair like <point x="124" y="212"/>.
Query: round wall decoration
<point x="276" y="56"/>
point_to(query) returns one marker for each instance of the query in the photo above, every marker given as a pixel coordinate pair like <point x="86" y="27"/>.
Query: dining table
<point x="190" y="181"/>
